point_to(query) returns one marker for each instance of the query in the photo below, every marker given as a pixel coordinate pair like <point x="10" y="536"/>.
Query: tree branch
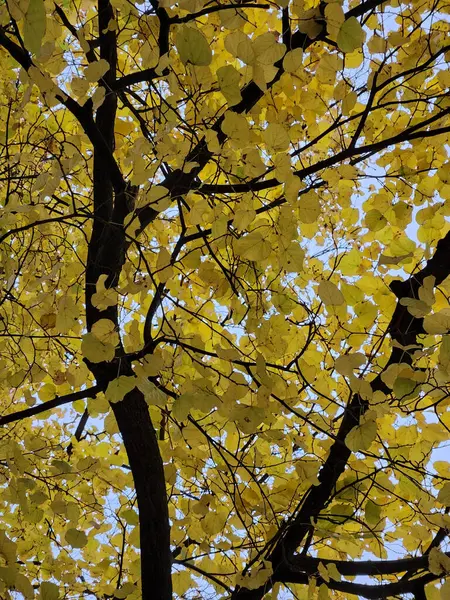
<point x="403" y="328"/>
<point x="82" y="113"/>
<point x="45" y="406"/>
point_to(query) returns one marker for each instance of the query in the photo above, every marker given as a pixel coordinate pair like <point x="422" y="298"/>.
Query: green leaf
<point x="444" y="494"/>
<point x="228" y="79"/>
<point x="361" y="436"/>
<point x="438" y="562"/>
<point x="48" y="591"/>
<point x="119" y="388"/>
<point x="253" y="246"/>
<point x="309" y="208"/>
<point x="193" y="47"/>
<point x="351" y="35"/>
<point x="375" y="220"/>
<point x="34" y="26"/>
<point x="76" y="538"/>
<point x="372" y="512"/>
<point x="23" y="585"/>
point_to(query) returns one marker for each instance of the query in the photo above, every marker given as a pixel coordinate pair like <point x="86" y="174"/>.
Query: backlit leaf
<point x="351" y="35"/>
<point x="361" y="436"/>
<point x="34" y="25"/>
<point x="48" y="591"/>
<point x="193" y="46"/>
<point x="330" y="294"/>
<point x="76" y="538"/>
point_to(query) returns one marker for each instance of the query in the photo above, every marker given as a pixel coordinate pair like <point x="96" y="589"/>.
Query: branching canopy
<point x="224" y="303"/>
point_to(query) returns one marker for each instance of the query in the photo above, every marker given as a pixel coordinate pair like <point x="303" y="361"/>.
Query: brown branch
<point x="371" y="592"/>
<point x="106" y="255"/>
<point x="90" y="54"/>
<point x="82" y="113"/>
<point x="179" y="183"/>
<point x="403" y="328"/>
<point x="45" y="406"/>
<point x="146" y="75"/>
<point x="212" y="9"/>
<point x="413" y="133"/>
<point x="349" y="568"/>
<point x="79" y="430"/>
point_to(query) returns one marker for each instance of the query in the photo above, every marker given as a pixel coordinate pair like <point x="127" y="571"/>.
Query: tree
<point x="225" y="349"/>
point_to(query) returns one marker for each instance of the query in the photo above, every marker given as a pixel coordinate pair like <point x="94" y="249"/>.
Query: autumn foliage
<point x="224" y="304"/>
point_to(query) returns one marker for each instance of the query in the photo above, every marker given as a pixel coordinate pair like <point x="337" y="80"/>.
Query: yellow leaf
<point x="48" y="321"/>
<point x="23" y="585"/>
<point x="335" y="16"/>
<point x="98" y="97"/>
<point x="330" y="294"/>
<point x="293" y="60"/>
<point x="351" y="35"/>
<point x="438" y="562"/>
<point x="153" y="396"/>
<point x="105" y="331"/>
<point x="292" y="258"/>
<point x="48" y="591"/>
<point x="372" y="512"/>
<point x="350" y="262"/>
<point x="34" y="25"/>
<point x="235" y="126"/>
<point x="377" y="44"/>
<point x="232" y="18"/>
<point x="95" y="350"/>
<point x="375" y="220"/>
<point x="103" y="297"/>
<point x="333" y="572"/>
<point x="47" y="392"/>
<point x="67" y="314"/>
<point x="95" y="70"/>
<point x="228" y="79"/>
<point x="118" y="388"/>
<point x="445" y="590"/>
<point x="323" y="592"/>
<point x="309" y="208"/>
<point x="240" y="45"/>
<point x="323" y="572"/>
<point x="76" y="538"/>
<point x="8" y="575"/>
<point x="444" y="494"/>
<point x="130" y="516"/>
<point x="267" y="50"/>
<point x="416" y="308"/>
<point x="345" y="365"/>
<point x="438" y="322"/>
<point x="307" y="471"/>
<point x="276" y="138"/>
<point x="8" y="548"/>
<point x="444" y="172"/>
<point x="158" y="196"/>
<point x="192" y="46"/>
<point x="163" y="268"/>
<point x="348" y="103"/>
<point x="328" y="66"/>
<point x="361" y="436"/>
<point x="253" y="246"/>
